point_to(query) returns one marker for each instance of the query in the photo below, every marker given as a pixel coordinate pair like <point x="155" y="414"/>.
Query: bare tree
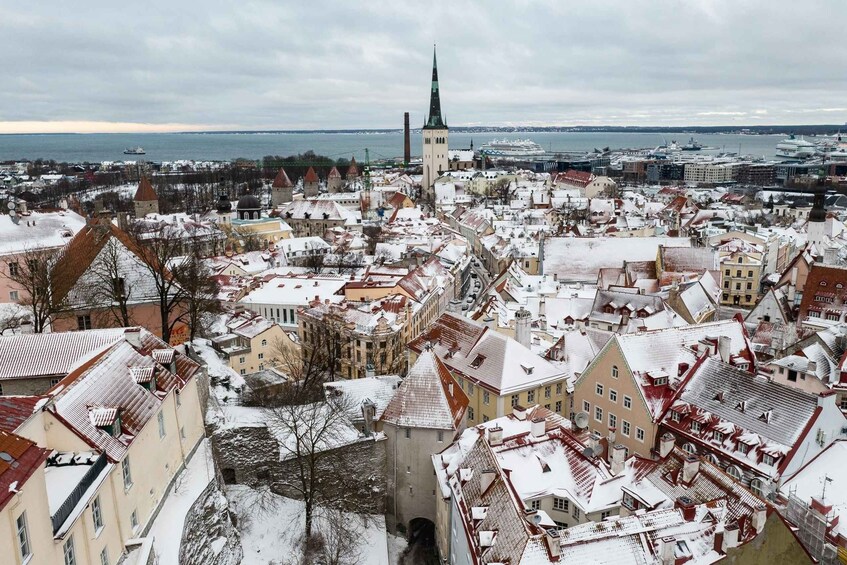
<point x="315" y="262"/>
<point x="11" y="320"/>
<point x="341" y="536"/>
<point x="500" y="190"/>
<point x="200" y="291"/>
<point x="312" y="439"/>
<point x="31" y="273"/>
<point x="110" y="287"/>
<point x="158" y="252"/>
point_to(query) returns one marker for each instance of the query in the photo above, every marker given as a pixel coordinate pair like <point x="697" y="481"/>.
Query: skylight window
<point x="478" y="360"/>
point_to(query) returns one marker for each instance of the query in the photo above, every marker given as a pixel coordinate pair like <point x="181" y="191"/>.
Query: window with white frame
<point x="485" y="397"/>
<point x="586" y="406"/>
<point x="126" y="472"/>
<point x="264" y="343"/>
<point x="23" y="536"/>
<point x="613" y="395"/>
<point x="734" y="472"/>
<point x="675" y="416"/>
<point x="560" y="504"/>
<point x="97" y="513"/>
<point x="599" y="389"/>
<point x="627" y="402"/>
<point x="614" y="371"/>
<point x="613" y="420"/>
<point x="104" y="557"/>
<point x="695" y="426"/>
<point x="625" y="429"/>
<point x="689" y="448"/>
<point x="530" y="396"/>
<point x="639" y="434"/>
<point x="515" y="400"/>
<point x="161" y="419"/>
<point x="535" y="504"/>
<point x="133" y="520"/>
<point x="767" y="459"/>
<point x="68" y="551"/>
<point x="576" y="512"/>
<point x="598" y="413"/>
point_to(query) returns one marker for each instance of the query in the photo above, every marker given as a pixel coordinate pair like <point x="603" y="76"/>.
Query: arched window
<point x="757" y="487"/>
<point x="614" y="371"/>
<point x="689" y="448"/>
<point x="734" y="472"/>
<point x="713" y="459"/>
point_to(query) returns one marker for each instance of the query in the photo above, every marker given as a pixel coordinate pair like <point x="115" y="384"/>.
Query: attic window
<point x="741" y="406"/>
<point x="527" y="368"/>
<point x="477" y="361"/>
<point x="823" y="283"/>
<point x="766" y="416"/>
<point x="106" y="418"/>
<point x="144" y="376"/>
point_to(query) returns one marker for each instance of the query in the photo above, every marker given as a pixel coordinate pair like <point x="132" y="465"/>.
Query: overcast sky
<point x="194" y="65"/>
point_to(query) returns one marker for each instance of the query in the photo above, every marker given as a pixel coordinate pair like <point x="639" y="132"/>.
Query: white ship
<point x="793" y="148"/>
<point x="134" y="151"/>
<point x="512" y="149"/>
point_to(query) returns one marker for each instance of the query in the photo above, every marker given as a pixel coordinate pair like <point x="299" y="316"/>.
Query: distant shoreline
<point x="812" y="129"/>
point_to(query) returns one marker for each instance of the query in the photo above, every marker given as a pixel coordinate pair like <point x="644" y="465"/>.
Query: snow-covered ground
<point x="167" y="528"/>
<point x="272" y="526"/>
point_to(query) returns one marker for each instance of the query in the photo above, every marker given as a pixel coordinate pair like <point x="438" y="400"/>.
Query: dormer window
<point x="676" y="416"/>
<point x="695" y="426"/>
<point x="527" y="368"/>
<point x="717" y="436"/>
<point x="144" y="376"/>
<point x="105" y="418"/>
<point x="768" y="459"/>
<point x="477" y="362"/>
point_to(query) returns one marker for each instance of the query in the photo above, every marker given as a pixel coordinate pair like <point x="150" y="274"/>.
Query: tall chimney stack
<point x="407" y="143"/>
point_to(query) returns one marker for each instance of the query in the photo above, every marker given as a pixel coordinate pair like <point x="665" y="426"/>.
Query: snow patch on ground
<point x="189" y="484"/>
<point x="396" y="546"/>
<point x="272" y="526"/>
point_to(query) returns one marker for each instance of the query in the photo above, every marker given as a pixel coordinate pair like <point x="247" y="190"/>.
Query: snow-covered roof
<point x="38" y="230"/>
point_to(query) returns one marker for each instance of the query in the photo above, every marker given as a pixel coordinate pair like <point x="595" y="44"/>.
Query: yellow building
<point x="120" y="426"/>
<point x="742" y="265"/>
<point x="495" y="371"/>
<point x="252" y="342"/>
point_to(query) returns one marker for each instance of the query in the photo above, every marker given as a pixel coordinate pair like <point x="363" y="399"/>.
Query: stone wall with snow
<point x="210" y="536"/>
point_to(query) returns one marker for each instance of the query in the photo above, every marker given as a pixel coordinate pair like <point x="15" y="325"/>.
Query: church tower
<point x="434" y="138"/>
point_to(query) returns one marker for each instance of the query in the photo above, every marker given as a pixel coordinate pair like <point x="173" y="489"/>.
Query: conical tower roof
<point x="311" y="175"/>
<point x="435" y="120"/>
<point x="145" y="192"/>
<point x="282" y="180"/>
<point x="353" y="169"/>
<point x="333" y="174"/>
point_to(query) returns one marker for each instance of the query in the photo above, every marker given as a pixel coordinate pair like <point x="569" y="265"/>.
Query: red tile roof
<point x="145" y="192"/>
<point x="282" y="180"/>
<point x="823" y="280"/>
<point x="353" y="169"/>
<point x="311" y="175"/>
<point x="26" y="458"/>
<point x="333" y="174"/>
<point x="15" y="410"/>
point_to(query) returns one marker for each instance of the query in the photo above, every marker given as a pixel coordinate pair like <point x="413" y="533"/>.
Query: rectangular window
<point x="639" y="434"/>
<point x="13" y="295"/>
<point x="743" y="448"/>
<point x="470" y="413"/>
<point x="485" y="396"/>
<point x="13" y="269"/>
<point x="83" y="322"/>
<point x="127" y="474"/>
<point x="530" y="396"/>
<point x="548" y="391"/>
<point x="767" y="459"/>
<point x="558" y="388"/>
<point x="560" y="504"/>
<point x="605" y="514"/>
<point x="576" y="512"/>
<point x="599" y="389"/>
<point x="695" y="426"/>
<point x="558" y="406"/>
<point x="515" y="399"/>
<point x="627" y="402"/>
<point x="161" y="420"/>
<point x="470" y="389"/>
<point x="598" y="413"/>
<point x="261" y="355"/>
<point x="440" y="436"/>
<point x="586" y="406"/>
<point x="613" y="420"/>
<point x="625" y="428"/>
<point x="133" y="520"/>
<point x="613" y="395"/>
<point x="408" y="433"/>
<point x="96" y="513"/>
<point x="535" y="504"/>
<point x="104" y="557"/>
<point x="23" y="536"/>
<point x="68" y="550"/>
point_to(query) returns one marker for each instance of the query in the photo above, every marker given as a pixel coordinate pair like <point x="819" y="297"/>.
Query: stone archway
<point x="422" y="549"/>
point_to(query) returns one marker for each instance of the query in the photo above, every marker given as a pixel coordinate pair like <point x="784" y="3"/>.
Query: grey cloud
<point x="333" y="64"/>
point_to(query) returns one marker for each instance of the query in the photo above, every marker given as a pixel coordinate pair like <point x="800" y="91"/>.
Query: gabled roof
<point x="25" y="459"/>
<point x="15" y="410"/>
<point x="427" y="397"/>
<point x="333" y="174"/>
<point x="109" y="381"/>
<point x="281" y="180"/>
<point x="145" y="192"/>
<point x="50" y="354"/>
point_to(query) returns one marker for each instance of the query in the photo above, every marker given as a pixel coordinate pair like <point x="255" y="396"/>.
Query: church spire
<point x="435" y="120"/>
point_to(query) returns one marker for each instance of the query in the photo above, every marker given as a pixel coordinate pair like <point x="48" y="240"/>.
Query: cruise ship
<point x="793" y="148"/>
<point x="513" y="149"/>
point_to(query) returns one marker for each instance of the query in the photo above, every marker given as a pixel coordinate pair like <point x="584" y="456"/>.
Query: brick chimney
<point x="495" y="436"/>
<point x="690" y="468"/>
<point x="666" y="443"/>
<point x="687" y="506"/>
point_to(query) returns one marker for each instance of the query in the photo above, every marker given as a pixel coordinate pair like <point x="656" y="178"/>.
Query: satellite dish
<point x="10" y="205"/>
<point x="588" y="452"/>
<point x="581" y="420"/>
<point x="13" y="213"/>
<point x="6" y="457"/>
